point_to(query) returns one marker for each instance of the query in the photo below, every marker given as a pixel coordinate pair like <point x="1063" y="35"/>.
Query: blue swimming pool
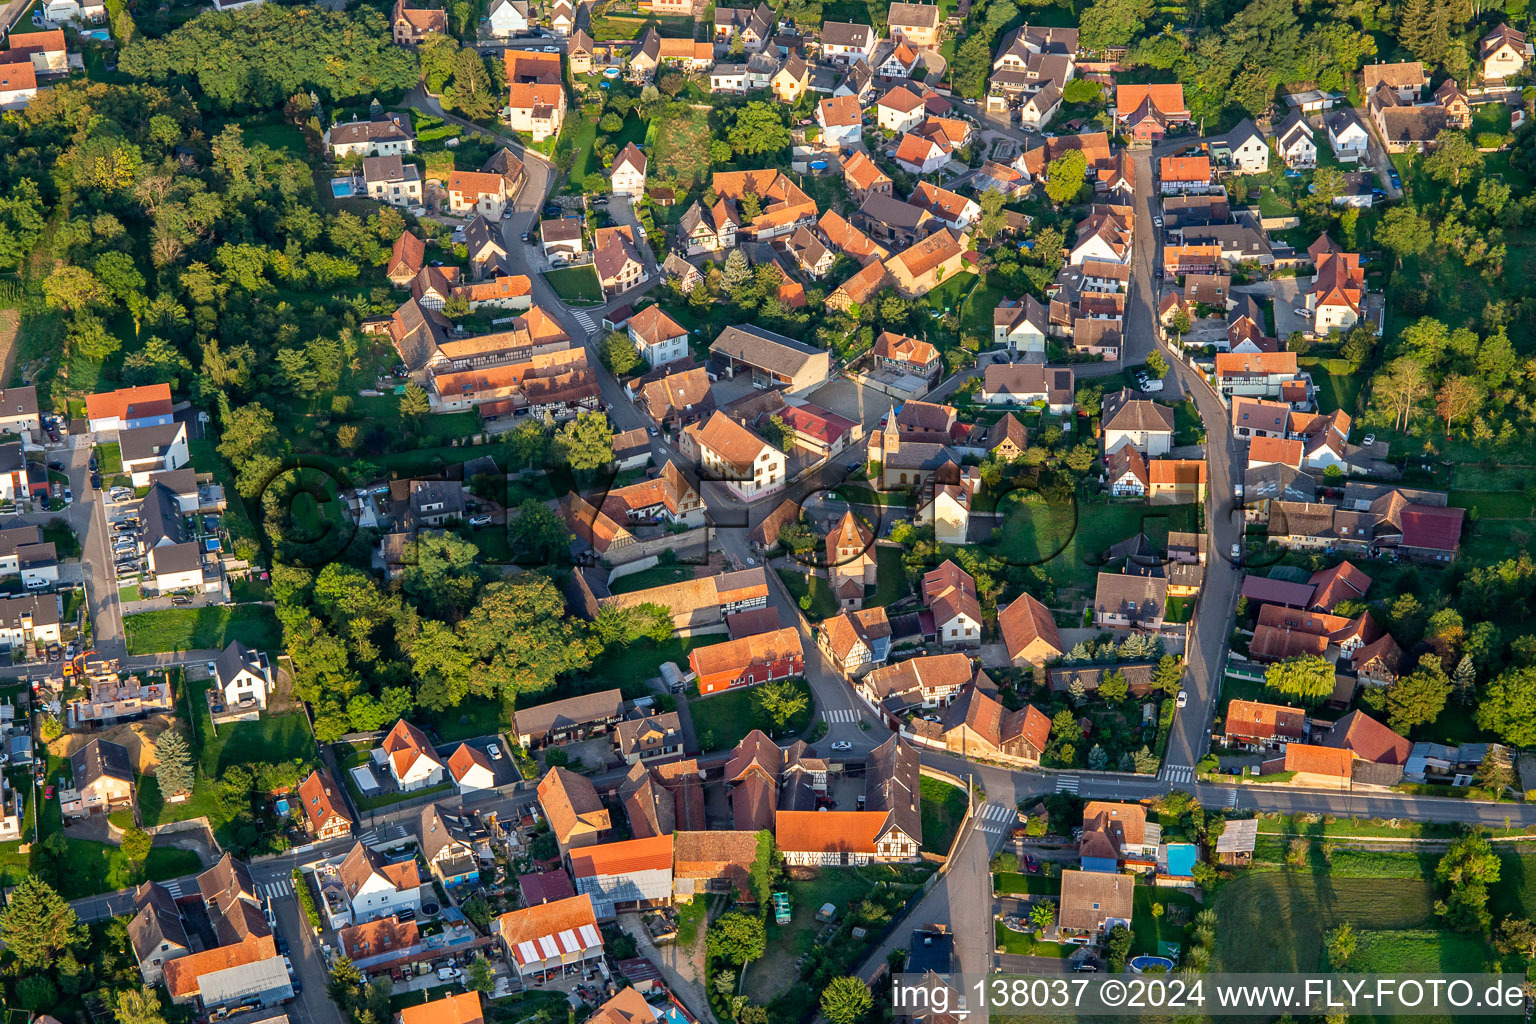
<point x="212" y="543"/>
<point x="341" y="188"/>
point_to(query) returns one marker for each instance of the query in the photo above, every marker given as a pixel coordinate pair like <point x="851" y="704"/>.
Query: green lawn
<point x="721" y="720"/>
<point x="128" y="593"/>
<point x="186" y="629"/>
<point x="350" y="759"/>
<point x="475" y="716"/>
<point x="1178" y="911"/>
<point x="1020" y="944"/>
<point x="1274" y="921"/>
<point x="62" y="536"/>
<point x="943" y="808"/>
<point x="1426" y="951"/>
<point x="577" y="286"/>
<point x="890" y="577"/>
<point x="1068" y="539"/>
<point x="1338" y="386"/>
<point x="1017" y="884"/>
<point x="90" y="867"/>
<point x="823" y="602"/>
<point x="271" y="738"/>
<point x="1495" y="504"/>
<point x="627" y="668"/>
<point x="655" y="576"/>
<point x="109" y="458"/>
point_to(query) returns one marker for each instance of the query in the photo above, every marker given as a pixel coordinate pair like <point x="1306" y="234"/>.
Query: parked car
<point x="1031" y="864"/>
<point x="1368" y="440"/>
<point x="842" y="745"/>
<point x="480" y="520"/>
<point x="1182" y="699"/>
<point x="48" y="793"/>
<point x="96" y="481"/>
<point x="56" y="464"/>
<point x="181" y="599"/>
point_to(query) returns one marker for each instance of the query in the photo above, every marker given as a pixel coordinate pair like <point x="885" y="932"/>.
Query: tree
<point x="138" y="1006"/>
<point x="1467" y="869"/>
<point x="758" y="128"/>
<point x="737" y="938"/>
<point x="1517" y="937"/>
<point x="1459" y="396"/>
<point x="1340" y="943"/>
<point x="74" y="289"/>
<point x="37" y="925"/>
<point x="1419" y="697"/>
<point x="1406" y="232"/>
<point x="1401" y="383"/>
<point x="586" y="443"/>
<point x="37" y="992"/>
<point x="414" y="404"/>
<point x="1453" y="159"/>
<point x="1464" y="680"/>
<point x="1495" y="771"/>
<point x="619" y="353"/>
<point x="973" y="60"/>
<point x="1508" y="707"/>
<point x="343" y="983"/>
<point x="1306" y="677"/>
<point x="1169" y="674"/>
<point x="1113" y="687"/>
<point x="1157" y="366"/>
<point x="1043" y="914"/>
<point x="846" y="1000"/>
<point x="538" y="534"/>
<point x="767" y="868"/>
<point x="1065" y="176"/>
<point x="1117" y="948"/>
<point x="993" y="218"/>
<point x="479" y="976"/>
<point x="1107" y="23"/>
<point x="779" y="701"/>
<point x="173" y="766"/>
<point x="347" y="437"/>
<point x="519" y="637"/>
<point x="136" y="843"/>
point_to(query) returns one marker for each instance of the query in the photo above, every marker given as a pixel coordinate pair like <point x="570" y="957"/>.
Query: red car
<point x="48" y="793"/>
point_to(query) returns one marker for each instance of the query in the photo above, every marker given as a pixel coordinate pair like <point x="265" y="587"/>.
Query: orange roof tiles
<point x="570" y="800"/>
<point x="1313" y="760"/>
<point x="840" y="111"/>
<point x="734" y="655"/>
<point x="182" y="975"/>
<point x="1229" y="364"/>
<point x="863" y="171"/>
<point x="1278" y="450"/>
<point x="316" y="797"/>
<point x="476" y="183"/>
<point x="461" y="1008"/>
<point x="1250" y="719"/>
<point x="545" y="919"/>
<point x="1025" y="621"/>
<point x="901" y="99"/>
<point x="116" y="404"/>
<point x="1176" y="472"/>
<point x="404" y="744"/>
<point x="1168" y="98"/>
<point x="1184" y="168"/>
<point x="731" y="441"/>
<point x="828" y="831"/>
<point x="650" y="854"/>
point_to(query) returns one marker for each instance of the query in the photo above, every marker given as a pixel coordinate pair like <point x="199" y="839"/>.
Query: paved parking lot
<point x="857" y="403"/>
<point x="1288" y="298"/>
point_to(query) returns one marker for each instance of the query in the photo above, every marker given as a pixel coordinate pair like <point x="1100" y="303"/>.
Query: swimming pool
<point x="341" y="188"/>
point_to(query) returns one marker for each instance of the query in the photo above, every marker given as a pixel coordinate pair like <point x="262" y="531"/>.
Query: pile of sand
<point x="139" y="737"/>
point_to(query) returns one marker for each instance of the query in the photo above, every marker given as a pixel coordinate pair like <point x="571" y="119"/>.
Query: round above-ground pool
<point x="1142" y="964"/>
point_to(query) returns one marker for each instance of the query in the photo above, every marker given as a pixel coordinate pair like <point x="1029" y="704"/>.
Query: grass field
<point x="1338" y="387"/>
<point x="1021" y="884"/>
<point x="188" y="629"/>
<point x="629" y="667"/>
<point x="681" y="150"/>
<point x="1418" y="950"/>
<point x="1495" y="504"/>
<point x="1274" y="921"/>
<point x="1179" y="909"/>
<point x="823" y="601"/>
<point x="91" y="867"/>
<point x="890" y="577"/>
<point x="722" y="720"/>
<point x="943" y="808"/>
<point x="271" y="738"/>
<point x="655" y="576"/>
<point x="475" y="716"/>
<point x="576" y="285"/>
<point x="1067" y="538"/>
<point x="1019" y="944"/>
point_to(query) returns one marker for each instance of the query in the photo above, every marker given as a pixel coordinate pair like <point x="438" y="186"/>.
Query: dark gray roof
<point x="480" y="235"/>
<point x="14" y="538"/>
<point x="160" y="514"/>
<point x="440" y="829"/>
<point x="891" y="785"/>
<point x="1280" y="482"/>
<point x="225" y="882"/>
<point x="234" y="658"/>
<point x="884" y="209"/>
<point x="1292" y="127"/>
<point x="843" y="33"/>
<point x="148" y="442"/>
<point x="157" y="923"/>
<point x="762" y="348"/>
<point x="100" y="759"/>
<point x="171" y="558"/>
<point x="589" y="707"/>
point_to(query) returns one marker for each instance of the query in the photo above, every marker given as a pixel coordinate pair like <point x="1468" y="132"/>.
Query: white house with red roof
<point x="408" y="755"/>
<point x="471" y="769"/>
<point x="551" y="940"/>
<point x="900" y="110"/>
<point x="129" y="408"/>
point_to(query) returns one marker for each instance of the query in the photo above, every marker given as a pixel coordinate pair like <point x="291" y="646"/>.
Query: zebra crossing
<point x="173" y="887"/>
<point x="1177" y="773"/>
<point x="995" y="817"/>
<point x="1067" y="783"/>
<point x="278" y="889"/>
<point x="587" y="320"/>
<point x="841" y="716"/>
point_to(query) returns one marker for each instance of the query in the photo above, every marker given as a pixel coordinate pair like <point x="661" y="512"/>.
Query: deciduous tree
<point x="846" y="1000"/>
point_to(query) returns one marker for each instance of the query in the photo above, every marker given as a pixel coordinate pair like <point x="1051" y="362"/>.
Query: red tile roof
<point x="1303" y="757"/>
<point x="828" y="831"/>
<point x="1247" y="719"/>
<point x="116" y="404"/>
<point x="650" y="854"/>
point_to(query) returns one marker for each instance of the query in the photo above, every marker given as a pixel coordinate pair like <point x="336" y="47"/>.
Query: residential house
<point x="325" y="811"/>
<point x="924" y="682"/>
<point x="1406" y="79"/>
<point x="1404" y="124"/>
<point x="707" y="863"/>
<point x="842" y="236"/>
<point x="1257" y="417"/>
<point x="471" y="769"/>
<point x="386" y="135"/>
<point x="952" y="210"/>
<point x="844" y="43"/>
<point x="567" y="721"/>
<point x="376" y="888"/>
<point x="949" y="592"/>
<point x="902" y="354"/>
<point x="1127" y="470"/>
<point x="551" y="940"/>
<point x="1295" y="143"/>
<point x="709" y="229"/>
<point x="391" y="180"/>
<point x="657" y="337"/>
<point x="1180" y="175"/>
<point x="863" y="178"/>
<point x="673" y="397"/>
<point x="156" y="931"/>
<point x="411" y="760"/>
<point x="407" y="259"/>
<point x="1254" y="374"/>
<point x="1177" y="480"/>
<point x="976" y="725"/>
<point x="242" y="675"/>
<point x="900" y="110"/>
<point x="891" y="220"/>
<point x="1342" y="582"/>
<point x="901" y="62"/>
<point x="654" y="51"/>
<point x="632" y="875"/>
<point x="850" y="558"/>
<point x="129" y="408"/>
<point x="1148" y="111"/>
<point x="1105" y="234"/>
<point x="579" y="52"/>
<point x="1130" y="602"/>
<point x="453" y="845"/>
<point x="685" y="274"/>
<point x="1336" y="297"/>
<point x="790" y="81"/>
<point x="576" y="815"/>
<point x="784" y="206"/>
<point x="617" y="260"/>
<point x="1242" y="149"/>
<point x="1029" y="384"/>
<point x="483" y="245"/>
<point x="1313" y="765"/>
<point x="809" y="253"/>
<point x="917" y="25"/>
<point x="1020" y="325"/>
<point x="1029" y="632"/>
<point x="923" y="266"/>
<point x="536" y="109"/>
<point x="1117" y="835"/>
<point x="1346" y="135"/>
<point x="102" y="779"/>
<point x="1451" y="98"/>
<point x="855" y="640"/>
<point x="1093" y="904"/>
<point x="412" y="26"/>
<point x="642" y="739"/>
<point x="946" y="502"/>
<point x="508" y="18"/>
<point x="749" y="466"/>
<point x="476" y="192"/>
<point x="1139" y="422"/>
<point x="1503" y="53"/>
<point x="889" y="829"/>
<point x="841" y="121"/>
<point x="1256" y="725"/>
